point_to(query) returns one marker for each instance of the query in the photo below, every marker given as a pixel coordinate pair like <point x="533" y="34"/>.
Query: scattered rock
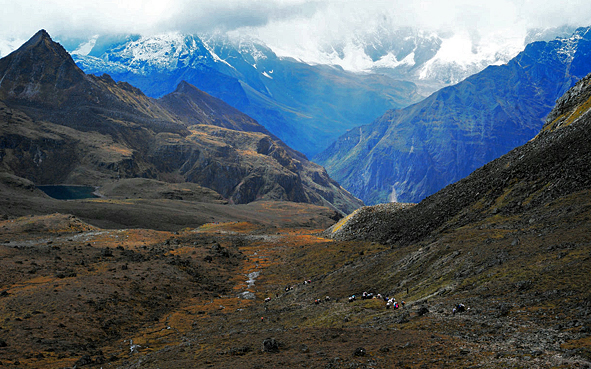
<point x="504" y="310"/>
<point x="422" y="311"/>
<point x="404" y="318"/>
<point x="270" y="345"/>
<point x="359" y="351"/>
<point x="239" y="351"/>
<point x="84" y="360"/>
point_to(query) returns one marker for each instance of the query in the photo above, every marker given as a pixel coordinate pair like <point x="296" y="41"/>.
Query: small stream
<point x="250" y="284"/>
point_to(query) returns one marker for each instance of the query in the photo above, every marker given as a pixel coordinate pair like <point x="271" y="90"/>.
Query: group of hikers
<point x="390" y="301"/>
<point x="459" y="308"/>
<point x="318" y="301"/>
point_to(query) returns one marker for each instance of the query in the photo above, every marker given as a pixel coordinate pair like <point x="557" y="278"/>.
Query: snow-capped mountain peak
<point x="164" y="52"/>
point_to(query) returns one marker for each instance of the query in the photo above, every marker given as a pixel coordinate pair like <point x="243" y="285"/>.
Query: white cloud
<point x="484" y="22"/>
<point x="81" y="17"/>
<point x="304" y="25"/>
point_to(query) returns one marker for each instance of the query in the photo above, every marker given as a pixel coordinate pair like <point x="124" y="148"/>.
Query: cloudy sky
<point x="285" y="24"/>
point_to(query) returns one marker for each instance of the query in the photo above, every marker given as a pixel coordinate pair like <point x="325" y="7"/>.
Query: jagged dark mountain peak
<point x="40" y="36"/>
<point x="38" y="70"/>
<point x="194" y="106"/>
<point x="185" y="87"/>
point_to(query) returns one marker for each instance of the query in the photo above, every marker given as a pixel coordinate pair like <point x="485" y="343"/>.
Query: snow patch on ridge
<point x="570" y="48"/>
<point x="215" y="56"/>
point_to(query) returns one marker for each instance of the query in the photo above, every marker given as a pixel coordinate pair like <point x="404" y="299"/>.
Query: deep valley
<point x="210" y="243"/>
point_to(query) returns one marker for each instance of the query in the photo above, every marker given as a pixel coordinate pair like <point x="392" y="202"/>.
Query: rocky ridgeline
<point x="570" y="106"/>
<point x="361" y="221"/>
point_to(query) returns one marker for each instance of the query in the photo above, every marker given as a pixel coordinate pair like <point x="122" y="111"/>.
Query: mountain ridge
<point x="410" y="153"/>
<point x="549" y="167"/>
<point x="98" y="130"/>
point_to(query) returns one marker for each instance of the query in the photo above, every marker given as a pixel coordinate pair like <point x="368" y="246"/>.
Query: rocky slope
<point x="193" y="106"/>
<point x="411" y="153"/>
<point x="571" y="107"/>
<point x="59" y="125"/>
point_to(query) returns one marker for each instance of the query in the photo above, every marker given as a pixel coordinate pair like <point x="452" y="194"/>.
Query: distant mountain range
<point x="432" y="60"/>
<point x="411" y="153"/>
<point x="59" y="125"/>
<point x="306" y="106"/>
<point x="310" y="101"/>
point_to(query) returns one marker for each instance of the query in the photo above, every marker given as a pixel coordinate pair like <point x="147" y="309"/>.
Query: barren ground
<point x="75" y="295"/>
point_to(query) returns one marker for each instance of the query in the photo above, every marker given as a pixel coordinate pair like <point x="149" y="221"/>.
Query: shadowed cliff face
<point x="409" y="154"/>
<point x="58" y="125"/>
